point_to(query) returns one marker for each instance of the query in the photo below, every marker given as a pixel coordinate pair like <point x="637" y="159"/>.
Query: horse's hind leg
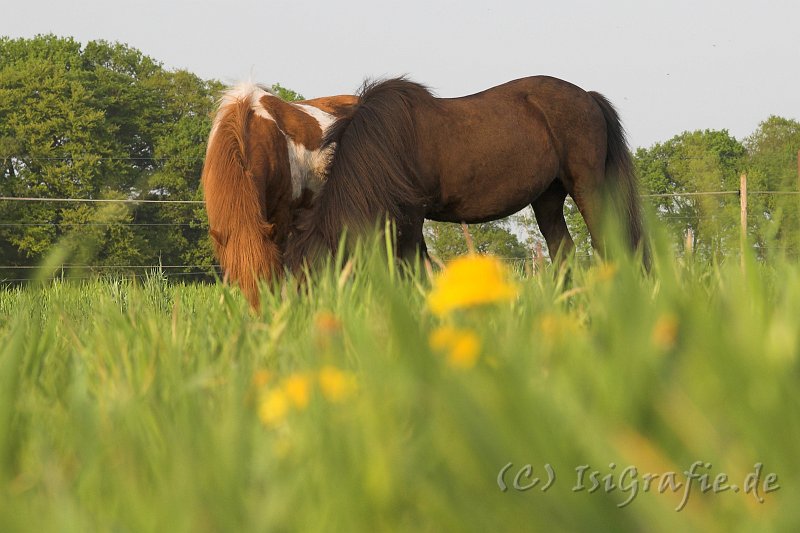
<point x="587" y="192"/>
<point x="410" y="240"/>
<point x="549" y="211"/>
<point x="585" y="183"/>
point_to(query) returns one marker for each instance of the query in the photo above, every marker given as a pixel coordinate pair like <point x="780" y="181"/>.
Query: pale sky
<point x="668" y="66"/>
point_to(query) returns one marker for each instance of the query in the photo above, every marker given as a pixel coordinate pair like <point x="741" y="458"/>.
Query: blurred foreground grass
<point x="350" y="406"/>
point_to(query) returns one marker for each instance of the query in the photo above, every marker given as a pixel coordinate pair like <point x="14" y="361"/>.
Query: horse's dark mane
<point x="373" y="173"/>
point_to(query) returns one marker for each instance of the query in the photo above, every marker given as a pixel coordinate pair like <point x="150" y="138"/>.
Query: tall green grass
<point x="135" y="406"/>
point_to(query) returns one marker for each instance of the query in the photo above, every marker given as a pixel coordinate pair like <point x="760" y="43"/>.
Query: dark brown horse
<point x="407" y="155"/>
<point x="264" y="161"/>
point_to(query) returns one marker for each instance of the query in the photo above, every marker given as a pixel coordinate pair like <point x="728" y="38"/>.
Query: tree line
<point x="104" y="121"/>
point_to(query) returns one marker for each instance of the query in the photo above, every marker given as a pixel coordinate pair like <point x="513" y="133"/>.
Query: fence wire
<point x="97" y="200"/>
<point x="210" y="270"/>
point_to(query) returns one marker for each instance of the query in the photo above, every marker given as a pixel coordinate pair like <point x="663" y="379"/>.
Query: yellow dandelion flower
<point x="606" y="272"/>
<point x="461" y="346"/>
<point x="549" y="326"/>
<point x="665" y="331"/>
<point x="298" y="389"/>
<point x="273" y="408"/>
<point x="261" y="378"/>
<point x="469" y="281"/>
<point x="464" y="351"/>
<point x="442" y="338"/>
<point x="327" y="322"/>
<point x="336" y="385"/>
<point x="556" y="327"/>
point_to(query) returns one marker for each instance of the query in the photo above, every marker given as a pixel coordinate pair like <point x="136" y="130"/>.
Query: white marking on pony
<point x="307" y="166"/>
<point x="242" y="92"/>
<point x="251" y="93"/>
<point x="323" y="118"/>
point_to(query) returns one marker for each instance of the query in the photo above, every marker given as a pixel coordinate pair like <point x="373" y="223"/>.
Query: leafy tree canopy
<point x="447" y="240"/>
<point x="287" y="94"/>
<point x="100" y="121"/>
<point x="699" y="161"/>
<point x="103" y="120"/>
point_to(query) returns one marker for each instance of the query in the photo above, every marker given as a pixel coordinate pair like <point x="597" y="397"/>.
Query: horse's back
<point x="530" y="84"/>
<point x="338" y="106"/>
<point x="536" y="114"/>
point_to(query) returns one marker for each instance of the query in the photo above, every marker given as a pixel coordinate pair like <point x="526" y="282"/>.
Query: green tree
<point x="772" y="152"/>
<point x="287" y="94"/>
<point x="446" y="240"/>
<point x="692" y="162"/>
<point x="62" y="145"/>
<point x="102" y="121"/>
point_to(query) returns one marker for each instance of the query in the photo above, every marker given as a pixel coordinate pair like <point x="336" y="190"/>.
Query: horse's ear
<point x="218" y="237"/>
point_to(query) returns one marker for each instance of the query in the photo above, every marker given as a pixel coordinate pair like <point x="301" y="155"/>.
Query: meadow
<point x="373" y="399"/>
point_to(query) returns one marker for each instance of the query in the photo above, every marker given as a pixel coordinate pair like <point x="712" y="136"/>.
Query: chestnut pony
<point x="408" y="156"/>
<point x="265" y="159"/>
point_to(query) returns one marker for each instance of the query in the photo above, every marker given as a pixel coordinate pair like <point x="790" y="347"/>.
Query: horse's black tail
<point x="621" y="175"/>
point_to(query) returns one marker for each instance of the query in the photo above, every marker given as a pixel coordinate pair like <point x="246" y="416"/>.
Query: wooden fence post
<point x="743" y="213"/>
<point x="468" y="238"/>
<point x="688" y="246"/>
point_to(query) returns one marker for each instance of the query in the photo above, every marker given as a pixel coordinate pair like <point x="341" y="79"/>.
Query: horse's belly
<point x="488" y="197"/>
